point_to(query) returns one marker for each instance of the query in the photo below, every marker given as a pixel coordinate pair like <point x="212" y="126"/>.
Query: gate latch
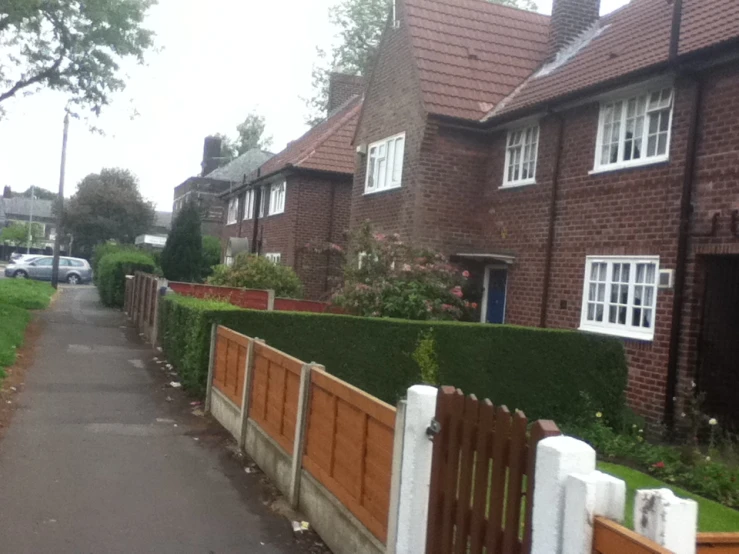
<point x="433" y="429"/>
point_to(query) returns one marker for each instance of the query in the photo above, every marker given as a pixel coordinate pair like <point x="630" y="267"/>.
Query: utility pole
<point x="58" y="237"/>
<point x="30" y="225"/>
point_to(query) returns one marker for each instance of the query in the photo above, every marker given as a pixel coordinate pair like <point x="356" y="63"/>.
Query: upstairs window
<point x="263" y="201"/>
<point x="277" y="198"/>
<point x="274" y="257"/>
<point x="634" y="131"/>
<point x="233" y="211"/>
<point x="249" y="204"/>
<point x="620" y="296"/>
<point x="385" y="164"/>
<point x="520" y="159"/>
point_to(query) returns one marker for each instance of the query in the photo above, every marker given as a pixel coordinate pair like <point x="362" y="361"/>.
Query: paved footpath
<point x="96" y="460"/>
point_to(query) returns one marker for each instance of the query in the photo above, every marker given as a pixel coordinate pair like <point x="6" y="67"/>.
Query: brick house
<point x="214" y="180"/>
<point x="301" y="197"/>
<point x="583" y="169"/>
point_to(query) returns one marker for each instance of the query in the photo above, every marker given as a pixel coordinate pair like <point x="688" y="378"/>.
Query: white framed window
<point x="522" y="148"/>
<point x="277" y="198"/>
<point x="620" y="296"/>
<point x="263" y="201"/>
<point x="274" y="257"/>
<point x="249" y="204"/>
<point x="233" y="210"/>
<point x="385" y="164"/>
<point x="634" y="131"/>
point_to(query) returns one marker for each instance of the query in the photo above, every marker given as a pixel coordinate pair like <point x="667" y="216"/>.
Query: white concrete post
<point x="392" y="518"/>
<point x="300" y="429"/>
<point x="161" y="284"/>
<point x="556" y="459"/>
<point x="415" y="471"/>
<point x="669" y="521"/>
<point x="270" y="300"/>
<point x="588" y="495"/>
<point x="211" y="365"/>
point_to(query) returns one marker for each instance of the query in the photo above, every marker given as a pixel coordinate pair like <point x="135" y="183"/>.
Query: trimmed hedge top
<point x="553" y="374"/>
<point x="112" y="271"/>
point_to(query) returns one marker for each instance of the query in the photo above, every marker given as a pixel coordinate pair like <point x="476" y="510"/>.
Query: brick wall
<point x="342" y="87"/>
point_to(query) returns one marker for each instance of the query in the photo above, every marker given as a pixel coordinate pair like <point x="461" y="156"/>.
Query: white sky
<point x="216" y="61"/>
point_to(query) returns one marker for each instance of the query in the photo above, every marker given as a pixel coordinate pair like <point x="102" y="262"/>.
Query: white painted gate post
<point x="669" y="521"/>
<point x="412" y="493"/>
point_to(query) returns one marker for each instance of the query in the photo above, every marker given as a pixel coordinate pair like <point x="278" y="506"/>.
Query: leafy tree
<point x="257" y="272"/>
<point x="16" y="234"/>
<point x="211" y="254"/>
<point x="250" y="135"/>
<point x="107" y="206"/>
<point x="182" y="257"/>
<point x="39" y="193"/>
<point x="360" y="24"/>
<point x="73" y="46"/>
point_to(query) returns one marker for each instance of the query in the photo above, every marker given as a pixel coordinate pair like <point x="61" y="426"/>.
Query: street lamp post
<point x="30" y="224"/>
<point x="57" y="238"/>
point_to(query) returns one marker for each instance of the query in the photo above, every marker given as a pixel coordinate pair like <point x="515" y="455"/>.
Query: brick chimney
<point x="570" y="18"/>
<point x="211" y="155"/>
<point x="341" y="87"/>
<point x="6" y="192"/>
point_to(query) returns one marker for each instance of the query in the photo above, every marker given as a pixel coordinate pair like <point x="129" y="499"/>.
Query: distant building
<point x="214" y="181"/>
<point x="19" y="209"/>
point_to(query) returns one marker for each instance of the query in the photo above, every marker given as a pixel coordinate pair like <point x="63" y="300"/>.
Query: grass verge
<point x="712" y="516"/>
<point x="31" y="295"/>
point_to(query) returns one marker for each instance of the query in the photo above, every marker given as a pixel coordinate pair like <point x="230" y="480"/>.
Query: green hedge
<point x="112" y="271"/>
<point x="557" y="374"/>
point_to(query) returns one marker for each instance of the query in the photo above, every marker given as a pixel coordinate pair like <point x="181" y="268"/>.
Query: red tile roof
<point x="631" y="39"/>
<point x="471" y="54"/>
<point x="325" y="147"/>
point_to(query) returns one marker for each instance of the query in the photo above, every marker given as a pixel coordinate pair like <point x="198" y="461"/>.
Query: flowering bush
<point x="384" y="277"/>
<point x="257" y="272"/>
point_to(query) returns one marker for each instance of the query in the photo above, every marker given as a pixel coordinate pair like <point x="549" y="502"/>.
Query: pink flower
<point x="379" y="236"/>
<point x="659" y="465"/>
<point x="473" y="305"/>
<point x="406" y="267"/>
<point x="457" y="291"/>
<point x="466" y="274"/>
<point x="447" y="307"/>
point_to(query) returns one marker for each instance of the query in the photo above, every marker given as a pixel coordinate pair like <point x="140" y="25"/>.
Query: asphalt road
<point x="97" y="461"/>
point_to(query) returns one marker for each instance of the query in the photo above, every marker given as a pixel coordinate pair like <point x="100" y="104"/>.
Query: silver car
<point x="71" y="270"/>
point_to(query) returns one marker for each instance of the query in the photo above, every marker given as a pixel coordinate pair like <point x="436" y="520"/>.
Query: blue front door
<point x="497" y="279"/>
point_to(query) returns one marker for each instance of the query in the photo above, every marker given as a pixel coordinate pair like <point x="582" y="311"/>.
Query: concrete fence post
<point x="588" y="495"/>
<point x="161" y="292"/>
<point x="246" y="393"/>
<point x="300" y="429"/>
<point x="416" y="454"/>
<point x="669" y="521"/>
<point x="270" y="300"/>
<point x="392" y="523"/>
<point x="556" y="459"/>
<point x="211" y="365"/>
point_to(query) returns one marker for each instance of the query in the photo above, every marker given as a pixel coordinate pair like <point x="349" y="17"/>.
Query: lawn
<point x="712" y="516"/>
<point x="31" y="295"/>
<point x="17" y="297"/>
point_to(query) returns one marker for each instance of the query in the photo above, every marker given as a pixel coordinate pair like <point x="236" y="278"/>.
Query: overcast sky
<point x="216" y="61"/>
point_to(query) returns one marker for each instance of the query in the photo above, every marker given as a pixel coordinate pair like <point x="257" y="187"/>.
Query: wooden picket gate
<point x="483" y="467"/>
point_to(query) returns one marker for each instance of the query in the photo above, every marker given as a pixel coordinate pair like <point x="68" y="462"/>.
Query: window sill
<point x="380" y="191"/>
<point x="629" y="165"/>
<point x="623" y="333"/>
<point x="517" y="185"/>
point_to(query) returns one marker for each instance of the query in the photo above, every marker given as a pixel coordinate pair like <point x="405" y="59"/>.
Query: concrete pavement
<point x="97" y="461"/>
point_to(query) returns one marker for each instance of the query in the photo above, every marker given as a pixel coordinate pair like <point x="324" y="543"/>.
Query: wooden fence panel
<point x="274" y="394"/>
<point x="611" y="538"/>
<point x="481" y="462"/>
<point x="718" y="543"/>
<point x="349" y="448"/>
<point x="230" y="363"/>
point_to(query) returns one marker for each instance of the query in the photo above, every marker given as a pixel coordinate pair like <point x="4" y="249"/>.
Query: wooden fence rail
<point x="611" y="538"/>
<point x="718" y="543"/>
<point x="349" y="448"/>
<point x="481" y="477"/>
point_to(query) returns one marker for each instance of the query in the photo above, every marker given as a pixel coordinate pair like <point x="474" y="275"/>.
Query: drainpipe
<point x="678" y="301"/>
<point x="255" y="227"/>
<point x="552" y="216"/>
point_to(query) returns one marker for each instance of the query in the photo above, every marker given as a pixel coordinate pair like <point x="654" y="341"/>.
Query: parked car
<point x="17" y="256"/>
<point x="71" y="270"/>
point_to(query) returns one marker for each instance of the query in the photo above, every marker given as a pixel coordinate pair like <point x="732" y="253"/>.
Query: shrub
<point x="540" y="371"/>
<point x="182" y="257"/>
<point x="113" y="269"/>
<point x="31" y="295"/>
<point x="384" y="277"/>
<point x="211" y="255"/>
<point x="108" y="248"/>
<point x="257" y="272"/>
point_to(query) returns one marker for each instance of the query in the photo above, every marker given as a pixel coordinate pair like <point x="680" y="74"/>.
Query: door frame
<point x="486" y="285"/>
